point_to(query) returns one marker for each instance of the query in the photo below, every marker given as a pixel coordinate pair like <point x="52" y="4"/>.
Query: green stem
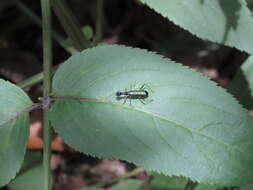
<point x="125" y="176"/>
<point x="70" y="24"/>
<point x="190" y="185"/>
<point x="35" y="79"/>
<point x="31" y="81"/>
<point x="28" y="12"/>
<point x="99" y="21"/>
<point x="38" y="22"/>
<point x="47" y="64"/>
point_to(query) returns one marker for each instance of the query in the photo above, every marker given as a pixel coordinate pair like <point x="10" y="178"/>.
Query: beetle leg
<point x="142" y="101"/>
<point x="125" y="100"/>
<point x="142" y="87"/>
<point x="147" y="87"/>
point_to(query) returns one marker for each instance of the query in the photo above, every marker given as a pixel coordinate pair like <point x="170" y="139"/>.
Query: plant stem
<point x="47" y="64"/>
<point x="28" y="12"/>
<point x="35" y="79"/>
<point x="70" y="24"/>
<point x="125" y="176"/>
<point x="38" y="22"/>
<point x="31" y="81"/>
<point x="99" y="21"/>
<point x="190" y="185"/>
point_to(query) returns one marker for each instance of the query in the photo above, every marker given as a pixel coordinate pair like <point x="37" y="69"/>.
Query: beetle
<point x="140" y="94"/>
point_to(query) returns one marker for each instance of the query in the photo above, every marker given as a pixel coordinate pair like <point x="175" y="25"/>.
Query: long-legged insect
<point x="141" y="94"/>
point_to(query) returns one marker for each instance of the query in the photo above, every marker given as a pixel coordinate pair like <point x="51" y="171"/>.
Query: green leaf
<point x="31" y="160"/>
<point x="129" y="184"/>
<point x="13" y="134"/>
<point x="188" y="127"/>
<point x="88" y="32"/>
<point x="242" y="84"/>
<point x="161" y="182"/>
<point x="250" y="4"/>
<point x="247" y="69"/>
<point x="205" y="187"/>
<point x="227" y="22"/>
<point x="247" y="187"/>
<point x="30" y="180"/>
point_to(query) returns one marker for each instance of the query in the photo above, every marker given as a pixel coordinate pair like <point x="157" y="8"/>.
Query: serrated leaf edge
<point x="195" y="34"/>
<point x="183" y="67"/>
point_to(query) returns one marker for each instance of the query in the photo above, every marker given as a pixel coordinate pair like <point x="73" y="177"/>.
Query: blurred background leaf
<point x="29" y="180"/>
<point x="231" y="19"/>
<point x="242" y="84"/>
<point x="161" y="182"/>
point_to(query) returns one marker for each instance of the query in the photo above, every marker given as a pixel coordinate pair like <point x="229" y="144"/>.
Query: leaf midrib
<point x="174" y="123"/>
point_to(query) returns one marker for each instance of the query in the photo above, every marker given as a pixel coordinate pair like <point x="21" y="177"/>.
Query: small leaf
<point x="88" y="32"/>
<point x="246" y="187"/>
<point x="250" y="4"/>
<point x="227" y="22"/>
<point x="205" y="187"/>
<point x="129" y="184"/>
<point x="13" y="134"/>
<point x="242" y="84"/>
<point x="31" y="160"/>
<point x="161" y="182"/>
<point x="188" y="126"/>
<point x="29" y="180"/>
